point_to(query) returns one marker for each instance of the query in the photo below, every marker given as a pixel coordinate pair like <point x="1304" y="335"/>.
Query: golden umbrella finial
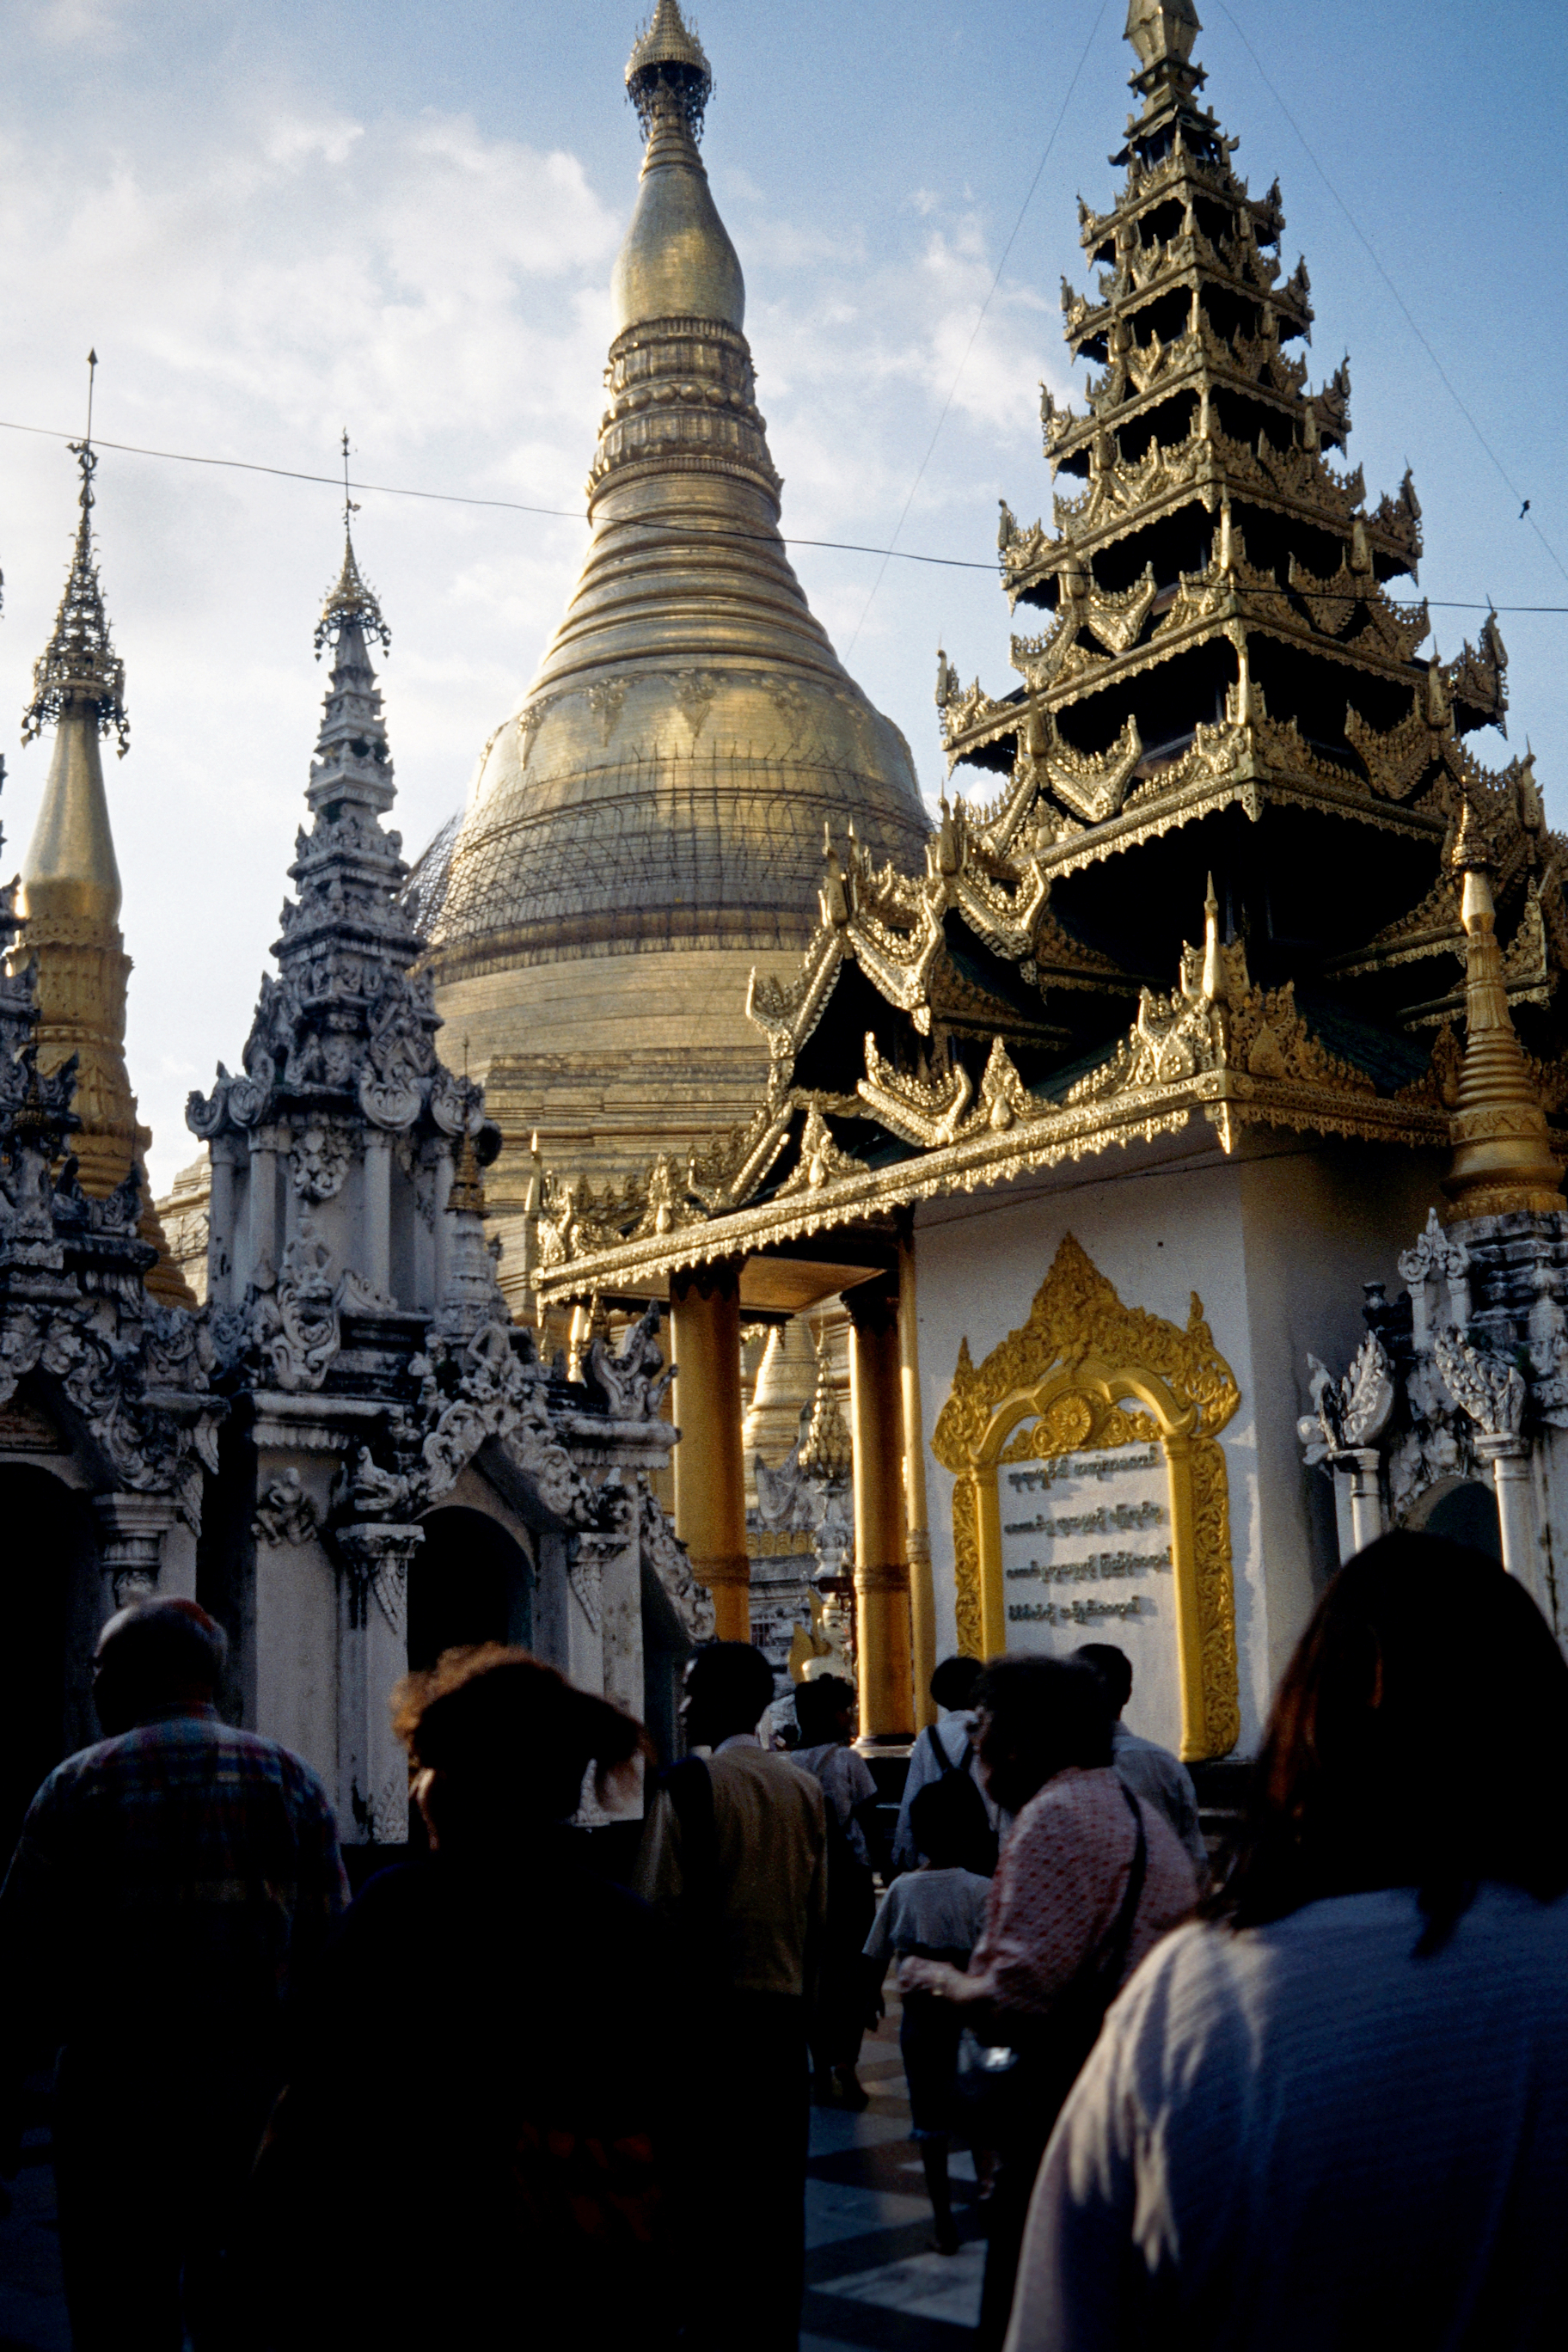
<point x="667" y="57"/>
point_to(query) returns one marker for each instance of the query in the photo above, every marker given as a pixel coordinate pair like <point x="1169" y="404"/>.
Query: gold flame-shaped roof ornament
<point x="1502" y="1148"/>
<point x="79" y="668"/>
<point x="667" y="56"/>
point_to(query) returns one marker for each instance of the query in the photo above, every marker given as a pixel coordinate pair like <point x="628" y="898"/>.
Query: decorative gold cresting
<point x="1086" y="1371"/>
<point x="71" y="892"/>
<point x="1502" y="1150"/>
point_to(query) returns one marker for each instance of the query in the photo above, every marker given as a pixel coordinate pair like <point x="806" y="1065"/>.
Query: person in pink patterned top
<point x="1089" y="1880"/>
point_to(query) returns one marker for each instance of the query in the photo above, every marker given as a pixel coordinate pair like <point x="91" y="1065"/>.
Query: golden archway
<point x="1086" y="1371"/>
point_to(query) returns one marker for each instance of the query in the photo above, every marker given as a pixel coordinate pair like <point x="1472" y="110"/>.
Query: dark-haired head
<point x="1416" y="1739"/>
<point x="1114" y="1668"/>
<point x="826" y="1709"/>
<point x="729" y="1688"/>
<point x="1038" y="1716"/>
<point x="499" y="1743"/>
<point x="942" y="1824"/>
<point x="157" y="1657"/>
<point x="953" y="1685"/>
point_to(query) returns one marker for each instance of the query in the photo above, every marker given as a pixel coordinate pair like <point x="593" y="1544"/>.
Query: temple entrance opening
<point x="52" y="1605"/>
<point x="470" y="1581"/>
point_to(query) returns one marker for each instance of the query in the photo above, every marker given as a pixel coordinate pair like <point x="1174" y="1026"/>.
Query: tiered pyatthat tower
<point x="1222" y="670"/>
<point x="645" y="826"/>
<point x="70" y="896"/>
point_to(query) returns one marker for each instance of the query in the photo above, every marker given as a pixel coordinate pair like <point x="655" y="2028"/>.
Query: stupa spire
<point x="658" y="792"/>
<point x="70" y="892"/>
<point x="1502" y="1150"/>
<point x="676" y="261"/>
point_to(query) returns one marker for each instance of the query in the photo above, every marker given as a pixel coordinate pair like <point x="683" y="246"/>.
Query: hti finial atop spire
<point x="667" y="56"/>
<point x="1162" y="33"/>
<point x="352" y="603"/>
<point x="79" y="666"/>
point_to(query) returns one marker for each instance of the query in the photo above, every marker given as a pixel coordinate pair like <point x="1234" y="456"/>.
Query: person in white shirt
<point x="934" y="1912"/>
<point x="947" y="1746"/>
<point x="1146" y="1768"/>
<point x="1334" y="2111"/>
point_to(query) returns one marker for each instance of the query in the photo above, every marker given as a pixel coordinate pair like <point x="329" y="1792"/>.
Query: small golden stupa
<point x="646" y="825"/>
<point x="69" y="896"/>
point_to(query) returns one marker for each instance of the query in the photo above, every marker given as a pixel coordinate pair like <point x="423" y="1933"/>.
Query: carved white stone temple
<point x="349" y="1454"/>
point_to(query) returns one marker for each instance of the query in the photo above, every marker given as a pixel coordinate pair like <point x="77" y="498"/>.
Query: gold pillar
<point x="710" y="1469"/>
<point x="923" y="1590"/>
<point x="882" y="1637"/>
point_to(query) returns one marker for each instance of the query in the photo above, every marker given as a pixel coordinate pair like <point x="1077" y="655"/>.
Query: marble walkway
<point x="873" y="2277"/>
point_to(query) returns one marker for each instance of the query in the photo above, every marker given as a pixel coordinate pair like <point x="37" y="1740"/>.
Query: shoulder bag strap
<point x="1112" y="1959"/>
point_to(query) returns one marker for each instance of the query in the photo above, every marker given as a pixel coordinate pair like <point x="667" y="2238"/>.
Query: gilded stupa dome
<point x="647" y="824"/>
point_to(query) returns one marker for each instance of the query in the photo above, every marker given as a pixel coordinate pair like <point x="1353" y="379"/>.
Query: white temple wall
<point x="1277" y="1240"/>
<point x="296" y="1639"/>
<point x="1320" y="1221"/>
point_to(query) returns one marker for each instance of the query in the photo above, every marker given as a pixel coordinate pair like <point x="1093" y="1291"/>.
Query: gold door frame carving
<point x="1086" y="1371"/>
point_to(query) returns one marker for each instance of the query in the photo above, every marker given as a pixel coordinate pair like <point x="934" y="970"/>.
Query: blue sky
<point x="274" y="220"/>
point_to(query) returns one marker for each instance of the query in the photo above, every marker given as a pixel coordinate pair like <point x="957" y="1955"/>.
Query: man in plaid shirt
<point x="169" y="1885"/>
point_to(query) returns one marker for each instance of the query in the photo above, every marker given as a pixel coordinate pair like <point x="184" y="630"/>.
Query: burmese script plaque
<point x="1086" y="1557"/>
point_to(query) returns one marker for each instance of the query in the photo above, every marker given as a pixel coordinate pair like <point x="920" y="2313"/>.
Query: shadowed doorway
<point x="470" y="1581"/>
<point x="49" y="1593"/>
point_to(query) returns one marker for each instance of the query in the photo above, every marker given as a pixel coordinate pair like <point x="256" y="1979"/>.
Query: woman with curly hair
<point x="469" y="2147"/>
<point x="1334" y="2111"/>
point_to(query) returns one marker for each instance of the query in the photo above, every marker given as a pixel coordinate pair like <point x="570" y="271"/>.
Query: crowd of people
<point x="1309" y="2091"/>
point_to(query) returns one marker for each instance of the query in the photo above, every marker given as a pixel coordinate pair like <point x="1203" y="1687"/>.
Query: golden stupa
<point x="69" y="896"/>
<point x="646" y="825"/>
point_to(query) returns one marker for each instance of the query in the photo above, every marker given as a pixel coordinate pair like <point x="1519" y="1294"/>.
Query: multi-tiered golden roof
<point x="645" y="826"/>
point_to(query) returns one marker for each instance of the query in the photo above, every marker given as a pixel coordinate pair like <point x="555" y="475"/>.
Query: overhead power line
<point x="958" y="373"/>
<point x="1411" y="321"/>
<point x="663" y="526"/>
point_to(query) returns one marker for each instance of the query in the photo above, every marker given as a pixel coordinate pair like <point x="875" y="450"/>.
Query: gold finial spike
<point x="1502" y="1159"/>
